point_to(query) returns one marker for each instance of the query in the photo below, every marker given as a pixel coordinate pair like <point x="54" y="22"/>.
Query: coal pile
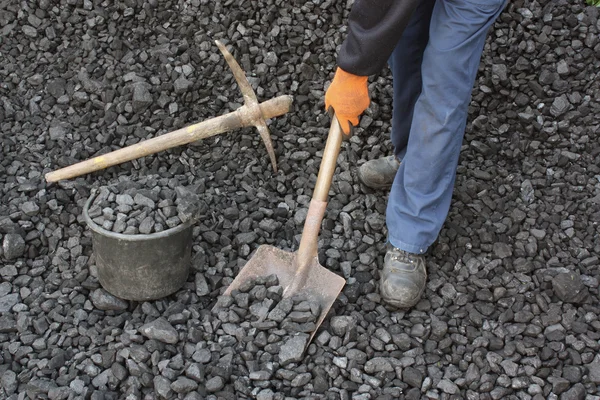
<point x="144" y="207"/>
<point x="262" y="338"/>
<point x="511" y="307"/>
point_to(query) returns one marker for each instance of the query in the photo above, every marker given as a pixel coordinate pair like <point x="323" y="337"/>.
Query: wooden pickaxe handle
<point x="240" y="118"/>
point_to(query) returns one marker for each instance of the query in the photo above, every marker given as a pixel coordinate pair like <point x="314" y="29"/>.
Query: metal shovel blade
<point x="321" y="285"/>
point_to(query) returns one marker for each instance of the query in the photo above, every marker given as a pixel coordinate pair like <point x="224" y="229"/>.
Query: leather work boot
<point x="403" y="278"/>
<point x="379" y="173"/>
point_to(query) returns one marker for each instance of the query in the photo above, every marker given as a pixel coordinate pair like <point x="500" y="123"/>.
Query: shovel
<point x="300" y="273"/>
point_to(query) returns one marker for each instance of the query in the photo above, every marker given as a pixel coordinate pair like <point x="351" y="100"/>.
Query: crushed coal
<point x="144" y="207"/>
<point x="511" y="306"/>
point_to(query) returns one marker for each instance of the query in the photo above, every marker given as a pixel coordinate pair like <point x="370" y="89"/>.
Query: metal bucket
<point x="141" y="267"/>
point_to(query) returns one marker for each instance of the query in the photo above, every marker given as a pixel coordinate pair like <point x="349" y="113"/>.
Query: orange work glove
<point x="348" y="96"/>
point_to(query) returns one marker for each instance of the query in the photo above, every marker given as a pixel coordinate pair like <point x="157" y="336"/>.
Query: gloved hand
<point x="348" y="96"/>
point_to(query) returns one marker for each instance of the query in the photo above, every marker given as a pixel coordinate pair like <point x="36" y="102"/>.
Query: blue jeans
<point x="434" y="66"/>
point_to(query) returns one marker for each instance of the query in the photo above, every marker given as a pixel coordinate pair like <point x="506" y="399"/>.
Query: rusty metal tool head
<point x="250" y="101"/>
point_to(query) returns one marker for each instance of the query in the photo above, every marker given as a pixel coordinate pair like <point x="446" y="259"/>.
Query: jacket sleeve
<point x="374" y="28"/>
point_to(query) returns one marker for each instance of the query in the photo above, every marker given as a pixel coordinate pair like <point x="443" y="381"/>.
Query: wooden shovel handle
<point x="329" y="161"/>
<point x="316" y="211"/>
<point x="240" y="118"/>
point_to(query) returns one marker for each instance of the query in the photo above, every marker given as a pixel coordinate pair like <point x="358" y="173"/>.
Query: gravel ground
<point x="511" y="308"/>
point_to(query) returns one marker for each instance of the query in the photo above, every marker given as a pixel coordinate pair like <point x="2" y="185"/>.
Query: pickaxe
<point x="251" y="113"/>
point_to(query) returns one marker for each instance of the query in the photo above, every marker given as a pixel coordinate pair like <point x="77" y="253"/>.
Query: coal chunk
<point x="9" y="382"/>
<point x="103" y="300"/>
<point x="413" y="377"/>
<point x="569" y="287"/>
<point x="215" y="384"/>
<point x="142" y="98"/>
<point x="342" y="324"/>
<point x="8" y="302"/>
<point x="160" y="329"/>
<point x="293" y="348"/>
<point x="13" y="246"/>
<point x="7" y="324"/>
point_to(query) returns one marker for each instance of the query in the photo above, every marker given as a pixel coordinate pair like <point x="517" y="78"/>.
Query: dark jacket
<point x="374" y="28"/>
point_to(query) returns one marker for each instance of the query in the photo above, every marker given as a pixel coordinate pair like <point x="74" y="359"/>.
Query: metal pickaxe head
<point x="251" y="109"/>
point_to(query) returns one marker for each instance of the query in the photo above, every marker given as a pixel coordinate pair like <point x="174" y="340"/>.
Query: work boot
<point x="380" y="173"/>
<point x="403" y="278"/>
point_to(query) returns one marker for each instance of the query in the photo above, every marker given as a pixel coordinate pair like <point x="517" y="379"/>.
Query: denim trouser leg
<point x="422" y="191"/>
<point x="405" y="64"/>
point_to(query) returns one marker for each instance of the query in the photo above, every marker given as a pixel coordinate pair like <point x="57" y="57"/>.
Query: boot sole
<point x="399" y="305"/>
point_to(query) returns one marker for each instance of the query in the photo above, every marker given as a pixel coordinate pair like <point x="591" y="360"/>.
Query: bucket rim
<point x="121" y="236"/>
